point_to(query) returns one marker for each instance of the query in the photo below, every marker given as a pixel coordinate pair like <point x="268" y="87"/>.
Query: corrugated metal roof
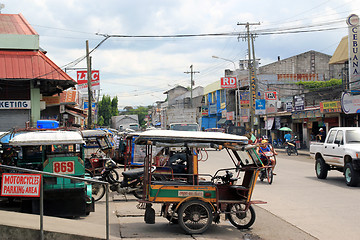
<point x="15" y="24"/>
<point x="341" y="54"/>
<point x="29" y="65"/>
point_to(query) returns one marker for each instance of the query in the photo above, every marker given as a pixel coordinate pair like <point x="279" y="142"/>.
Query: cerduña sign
<point x="15" y="104"/>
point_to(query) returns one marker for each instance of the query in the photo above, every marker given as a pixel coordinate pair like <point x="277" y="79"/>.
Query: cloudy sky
<point x="138" y="70"/>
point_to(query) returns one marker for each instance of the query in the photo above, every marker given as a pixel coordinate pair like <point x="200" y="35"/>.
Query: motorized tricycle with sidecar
<point x="195" y="200"/>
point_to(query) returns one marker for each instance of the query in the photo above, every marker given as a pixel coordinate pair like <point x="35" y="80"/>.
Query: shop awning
<point x="341" y="54"/>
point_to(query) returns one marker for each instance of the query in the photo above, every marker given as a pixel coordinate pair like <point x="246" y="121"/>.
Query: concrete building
<point x="26" y="74"/>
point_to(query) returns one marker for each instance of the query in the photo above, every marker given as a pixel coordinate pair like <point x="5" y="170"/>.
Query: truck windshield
<point x="184" y="127"/>
<point x="353" y="136"/>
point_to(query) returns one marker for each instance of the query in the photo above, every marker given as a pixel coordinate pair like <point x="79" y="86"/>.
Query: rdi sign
<point x="228" y="82"/>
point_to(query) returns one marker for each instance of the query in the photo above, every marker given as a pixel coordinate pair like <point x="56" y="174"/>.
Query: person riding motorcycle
<point x="265" y="151"/>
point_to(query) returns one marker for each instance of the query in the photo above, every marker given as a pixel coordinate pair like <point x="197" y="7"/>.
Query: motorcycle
<point x="269" y="160"/>
<point x="290" y="147"/>
<point x="131" y="183"/>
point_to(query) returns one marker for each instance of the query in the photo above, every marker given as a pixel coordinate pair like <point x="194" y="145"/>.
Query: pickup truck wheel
<point x="351" y="176"/>
<point x="321" y="168"/>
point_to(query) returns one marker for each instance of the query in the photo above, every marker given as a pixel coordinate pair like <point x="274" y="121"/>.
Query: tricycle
<point x="195" y="200"/>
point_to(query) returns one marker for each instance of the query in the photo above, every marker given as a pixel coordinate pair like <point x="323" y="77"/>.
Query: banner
<point x="260" y="107"/>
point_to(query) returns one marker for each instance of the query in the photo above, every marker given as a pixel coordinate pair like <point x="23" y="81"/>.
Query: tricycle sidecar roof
<point x="47" y="138"/>
<point x="171" y="136"/>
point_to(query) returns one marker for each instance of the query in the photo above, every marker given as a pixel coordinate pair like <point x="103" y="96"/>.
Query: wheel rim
<point x="318" y="168"/>
<point x="240" y="218"/>
<point x="348" y="175"/>
<point x="196" y="217"/>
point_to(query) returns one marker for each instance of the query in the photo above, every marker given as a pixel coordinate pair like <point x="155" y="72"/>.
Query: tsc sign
<point x="228" y="82"/>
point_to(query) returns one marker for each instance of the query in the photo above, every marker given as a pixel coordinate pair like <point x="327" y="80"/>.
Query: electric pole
<point x="192" y="83"/>
<point x="88" y="61"/>
<point x="252" y="74"/>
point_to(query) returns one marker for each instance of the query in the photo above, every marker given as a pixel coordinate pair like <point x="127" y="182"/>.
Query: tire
<point x="195" y="216"/>
<point x="321" y="168"/>
<point x="139" y="192"/>
<point x="351" y="176"/>
<point x="114" y="175"/>
<point x="288" y="151"/>
<point x="296" y="152"/>
<point x="269" y="175"/>
<point x="98" y="191"/>
<point x="240" y="220"/>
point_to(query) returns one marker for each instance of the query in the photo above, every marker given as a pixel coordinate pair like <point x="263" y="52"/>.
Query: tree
<point x="105" y="110"/>
<point x="114" y="106"/>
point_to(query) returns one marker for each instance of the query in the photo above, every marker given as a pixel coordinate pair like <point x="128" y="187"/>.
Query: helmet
<point x="321" y="129"/>
<point x="264" y="141"/>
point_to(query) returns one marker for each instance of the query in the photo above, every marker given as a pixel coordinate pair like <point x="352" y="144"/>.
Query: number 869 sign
<point x="66" y="167"/>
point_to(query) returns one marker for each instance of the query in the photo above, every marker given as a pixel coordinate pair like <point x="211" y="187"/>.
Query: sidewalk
<point x="304" y="152"/>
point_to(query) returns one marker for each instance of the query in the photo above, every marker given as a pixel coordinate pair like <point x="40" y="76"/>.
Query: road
<point x="325" y="209"/>
<point x="299" y="206"/>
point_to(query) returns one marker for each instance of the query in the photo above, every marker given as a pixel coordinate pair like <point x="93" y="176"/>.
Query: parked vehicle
<point x="195" y="200"/>
<point x="131" y="183"/>
<point x="184" y="127"/>
<point x="98" y="148"/>
<point x="341" y="152"/>
<point x="55" y="152"/>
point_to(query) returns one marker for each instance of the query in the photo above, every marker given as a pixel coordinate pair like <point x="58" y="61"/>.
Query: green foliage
<point x="141" y="111"/>
<point x="114" y="106"/>
<point x="105" y="110"/>
<point x="100" y="121"/>
<point x="317" y="85"/>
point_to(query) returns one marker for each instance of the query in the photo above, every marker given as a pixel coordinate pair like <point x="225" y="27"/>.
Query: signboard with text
<point x="228" y="82"/>
<point x="270" y="95"/>
<point x="15" y="104"/>
<point x="20" y="185"/>
<point x="82" y="80"/>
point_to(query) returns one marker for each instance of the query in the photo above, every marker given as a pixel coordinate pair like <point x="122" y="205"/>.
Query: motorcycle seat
<point x="133" y="173"/>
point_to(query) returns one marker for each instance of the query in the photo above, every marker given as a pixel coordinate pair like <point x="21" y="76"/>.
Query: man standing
<point x="321" y="135"/>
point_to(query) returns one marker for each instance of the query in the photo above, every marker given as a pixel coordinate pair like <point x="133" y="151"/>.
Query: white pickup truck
<point x="340" y="151"/>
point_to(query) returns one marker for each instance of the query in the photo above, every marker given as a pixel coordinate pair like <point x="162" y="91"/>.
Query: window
<point x="331" y="137"/>
<point x="222" y="96"/>
<point x="339" y="138"/>
<point x="352" y="136"/>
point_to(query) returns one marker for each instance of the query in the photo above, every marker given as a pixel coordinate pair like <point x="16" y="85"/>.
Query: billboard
<point x="228" y="82"/>
<point x="82" y="80"/>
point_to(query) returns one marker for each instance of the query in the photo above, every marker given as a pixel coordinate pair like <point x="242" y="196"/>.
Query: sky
<point x="138" y="70"/>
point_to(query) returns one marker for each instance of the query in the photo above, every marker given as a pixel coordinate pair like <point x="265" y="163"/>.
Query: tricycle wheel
<point x="195" y="216"/>
<point x="269" y="175"/>
<point x="98" y="191"/>
<point x="351" y="176"/>
<point x="238" y="217"/>
<point x="321" y="168"/>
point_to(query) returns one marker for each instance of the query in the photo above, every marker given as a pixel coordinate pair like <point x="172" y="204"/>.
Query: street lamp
<point x="226" y="60"/>
<point x="237" y="98"/>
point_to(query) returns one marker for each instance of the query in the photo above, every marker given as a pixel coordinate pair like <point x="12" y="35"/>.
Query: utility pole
<point x="192" y="83"/>
<point x="88" y="61"/>
<point x="252" y="76"/>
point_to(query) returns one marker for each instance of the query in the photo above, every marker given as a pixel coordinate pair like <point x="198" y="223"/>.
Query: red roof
<point x="15" y="24"/>
<point x="19" y="64"/>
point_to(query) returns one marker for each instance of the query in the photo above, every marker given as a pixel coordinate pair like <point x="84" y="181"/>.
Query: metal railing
<point x="88" y="180"/>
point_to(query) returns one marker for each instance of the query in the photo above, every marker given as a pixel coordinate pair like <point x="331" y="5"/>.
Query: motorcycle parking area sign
<point x="20" y="185"/>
